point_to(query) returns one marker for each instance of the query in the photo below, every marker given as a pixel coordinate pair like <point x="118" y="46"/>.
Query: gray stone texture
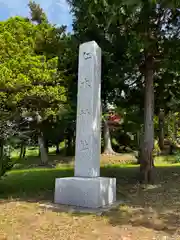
<point x="88" y="128"/>
<point x="87" y="189"/>
<point x="85" y="192"/>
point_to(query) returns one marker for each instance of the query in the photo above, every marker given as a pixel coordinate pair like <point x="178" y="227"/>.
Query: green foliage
<point x="157" y="149"/>
<point x="6" y="162"/>
<point x="28" y="81"/>
<point x="31" y="82"/>
<point x="140" y="43"/>
<point x="177" y="157"/>
<point x="37" y="13"/>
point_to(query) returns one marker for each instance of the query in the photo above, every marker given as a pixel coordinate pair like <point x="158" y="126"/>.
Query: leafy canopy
<point x="27" y="80"/>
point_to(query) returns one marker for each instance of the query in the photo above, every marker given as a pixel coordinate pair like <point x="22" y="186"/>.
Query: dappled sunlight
<point x="37" y="183"/>
<point x="169" y="159"/>
<point x="150" y="209"/>
<point x="123" y="158"/>
<point x="33" y="161"/>
<point x="148" y="217"/>
<point x="153" y="207"/>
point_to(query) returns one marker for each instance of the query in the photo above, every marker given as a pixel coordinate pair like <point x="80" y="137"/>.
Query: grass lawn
<point x="150" y="212"/>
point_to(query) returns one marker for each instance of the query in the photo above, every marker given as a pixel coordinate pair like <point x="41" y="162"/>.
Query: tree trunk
<point x="161" y="130"/>
<point x="57" y="148"/>
<point x="46" y="145"/>
<point x="42" y="149"/>
<point x="107" y="140"/>
<point x="140" y="145"/>
<point x="138" y="136"/>
<point x="175" y="127"/>
<point x="23" y="151"/>
<point x="1" y="158"/>
<point x="146" y="165"/>
<point x="69" y="144"/>
<point x="39" y="153"/>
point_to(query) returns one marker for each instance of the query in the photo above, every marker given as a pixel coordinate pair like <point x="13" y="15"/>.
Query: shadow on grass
<point x="154" y="207"/>
<point x="24" y="183"/>
<point x="33" y="184"/>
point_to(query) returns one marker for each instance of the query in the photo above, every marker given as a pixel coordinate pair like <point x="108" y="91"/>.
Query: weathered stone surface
<point x="88" y="129"/>
<point x="85" y="192"/>
<point x="76" y="209"/>
<point x="87" y="189"/>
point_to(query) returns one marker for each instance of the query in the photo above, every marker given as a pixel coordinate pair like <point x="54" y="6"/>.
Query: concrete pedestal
<point x="85" y="192"/>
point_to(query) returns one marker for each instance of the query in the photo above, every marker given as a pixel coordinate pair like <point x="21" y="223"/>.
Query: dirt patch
<point x="22" y="220"/>
<point x="118" y="159"/>
<point x="149" y="212"/>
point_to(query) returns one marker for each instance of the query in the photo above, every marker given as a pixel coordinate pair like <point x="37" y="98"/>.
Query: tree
<point x="7" y="130"/>
<point x="146" y="31"/>
<point x="37" y="13"/>
<point x="29" y="82"/>
<point x="52" y="41"/>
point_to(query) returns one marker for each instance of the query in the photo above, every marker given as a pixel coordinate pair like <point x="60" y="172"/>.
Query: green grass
<point x="30" y="152"/>
<point x="28" y="180"/>
<point x="165" y="160"/>
<point x="31" y="182"/>
<point x="147" y="209"/>
<point x="38" y="183"/>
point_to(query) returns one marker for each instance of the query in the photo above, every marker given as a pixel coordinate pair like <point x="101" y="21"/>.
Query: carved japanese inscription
<point x="87" y="55"/>
<point x="84" y="112"/>
<point x="85" y="83"/>
<point x="88" y="130"/>
<point x="84" y="145"/>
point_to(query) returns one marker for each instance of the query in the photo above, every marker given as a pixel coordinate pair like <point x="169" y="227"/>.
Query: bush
<point x="177" y="157"/>
<point x="6" y="162"/>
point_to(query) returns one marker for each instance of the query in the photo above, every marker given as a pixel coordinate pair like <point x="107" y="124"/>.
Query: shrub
<point x="6" y="162"/>
<point x="177" y="157"/>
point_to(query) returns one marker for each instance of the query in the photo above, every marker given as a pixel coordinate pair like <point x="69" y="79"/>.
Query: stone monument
<point x="87" y="188"/>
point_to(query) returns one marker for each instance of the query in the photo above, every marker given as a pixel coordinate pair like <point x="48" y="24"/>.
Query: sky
<point x="56" y="10"/>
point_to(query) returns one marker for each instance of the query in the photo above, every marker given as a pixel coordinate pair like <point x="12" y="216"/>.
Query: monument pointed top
<point x="90" y="43"/>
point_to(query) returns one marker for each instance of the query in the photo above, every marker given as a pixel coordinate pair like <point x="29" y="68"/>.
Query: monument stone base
<point x="85" y="192"/>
